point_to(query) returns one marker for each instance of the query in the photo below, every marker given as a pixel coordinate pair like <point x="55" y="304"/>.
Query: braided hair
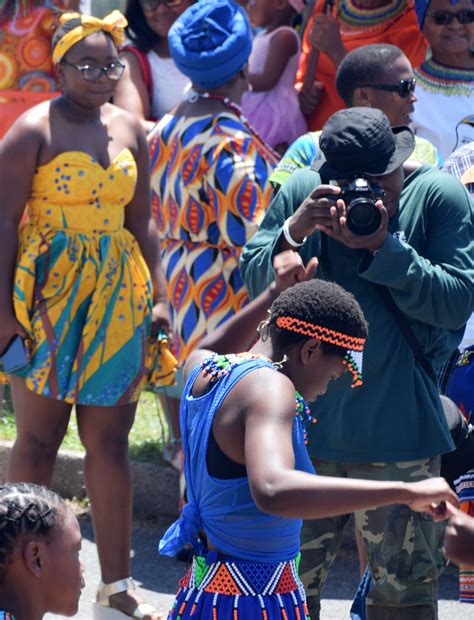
<point x="320" y="303"/>
<point x="26" y="511"/>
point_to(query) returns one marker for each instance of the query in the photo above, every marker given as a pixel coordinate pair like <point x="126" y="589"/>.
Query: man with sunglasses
<point x="445" y="82"/>
<point x="376" y="76"/>
<point x="393" y="426"/>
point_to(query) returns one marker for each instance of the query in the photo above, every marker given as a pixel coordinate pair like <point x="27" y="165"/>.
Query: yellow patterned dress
<point x="210" y="189"/>
<point x="82" y="289"/>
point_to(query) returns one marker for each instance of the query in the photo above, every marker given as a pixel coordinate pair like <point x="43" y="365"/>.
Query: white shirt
<point x="168" y="84"/>
<point x="444" y="106"/>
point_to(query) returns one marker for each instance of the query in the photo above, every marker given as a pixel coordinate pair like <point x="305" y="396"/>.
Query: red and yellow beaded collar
<point x="354" y="346"/>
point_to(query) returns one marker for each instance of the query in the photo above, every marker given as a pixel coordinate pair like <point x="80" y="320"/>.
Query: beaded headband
<point x="353" y="357"/>
<point x="113" y="24"/>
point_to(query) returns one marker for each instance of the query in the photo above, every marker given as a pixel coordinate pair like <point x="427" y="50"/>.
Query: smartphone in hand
<point x="16" y="355"/>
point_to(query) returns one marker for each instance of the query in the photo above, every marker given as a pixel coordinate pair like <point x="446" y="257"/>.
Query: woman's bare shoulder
<point x="31" y="129"/>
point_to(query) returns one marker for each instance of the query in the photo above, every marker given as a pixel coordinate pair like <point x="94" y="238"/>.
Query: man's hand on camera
<point x="335" y="226"/>
<point x="322" y="210"/>
<point x="314" y="212"/>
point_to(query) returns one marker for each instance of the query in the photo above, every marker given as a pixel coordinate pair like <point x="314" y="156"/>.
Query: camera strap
<point x="407" y="332"/>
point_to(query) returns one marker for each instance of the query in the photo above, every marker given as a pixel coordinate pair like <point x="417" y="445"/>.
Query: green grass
<point x="145" y="439"/>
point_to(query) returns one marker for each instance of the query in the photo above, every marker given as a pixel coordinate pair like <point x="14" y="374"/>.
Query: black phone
<point x="16" y="356"/>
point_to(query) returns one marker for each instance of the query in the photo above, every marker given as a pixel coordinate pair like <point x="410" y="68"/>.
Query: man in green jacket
<point x="392" y="427"/>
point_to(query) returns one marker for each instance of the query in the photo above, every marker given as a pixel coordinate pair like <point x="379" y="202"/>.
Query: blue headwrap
<point x="211" y="41"/>
<point x="421" y="6"/>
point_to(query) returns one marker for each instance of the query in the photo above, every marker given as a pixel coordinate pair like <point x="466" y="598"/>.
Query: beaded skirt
<point x="231" y="589"/>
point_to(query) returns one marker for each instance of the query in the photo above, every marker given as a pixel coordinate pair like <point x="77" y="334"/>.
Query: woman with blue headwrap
<point x="445" y="82"/>
<point x="209" y="172"/>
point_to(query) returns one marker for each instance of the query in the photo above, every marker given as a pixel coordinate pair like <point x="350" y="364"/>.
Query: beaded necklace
<point x="216" y="366"/>
<point x="193" y="96"/>
<point x="436" y="77"/>
<point x="367" y="19"/>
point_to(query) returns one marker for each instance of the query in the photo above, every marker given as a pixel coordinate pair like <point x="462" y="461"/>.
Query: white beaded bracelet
<point x="289" y="238"/>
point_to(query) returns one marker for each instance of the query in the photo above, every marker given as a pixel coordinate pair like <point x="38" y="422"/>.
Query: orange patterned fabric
<point x="211" y="190"/>
<point x="26" y="69"/>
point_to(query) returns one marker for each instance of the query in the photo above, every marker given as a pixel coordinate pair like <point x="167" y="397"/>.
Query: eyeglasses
<point x="152" y="5"/>
<point x="91" y="73"/>
<point x="404" y="88"/>
<point x="444" y="18"/>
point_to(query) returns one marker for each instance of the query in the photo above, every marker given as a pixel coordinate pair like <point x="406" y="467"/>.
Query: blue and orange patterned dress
<point x="82" y="289"/>
<point x="210" y="190"/>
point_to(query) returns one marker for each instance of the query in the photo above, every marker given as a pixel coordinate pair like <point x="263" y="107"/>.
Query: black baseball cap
<point x="361" y="141"/>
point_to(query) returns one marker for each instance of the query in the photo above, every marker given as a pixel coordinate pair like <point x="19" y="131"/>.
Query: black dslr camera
<point x="360" y="195"/>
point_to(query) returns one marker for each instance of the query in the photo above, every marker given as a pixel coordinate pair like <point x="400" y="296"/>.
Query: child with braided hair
<point x="40" y="541"/>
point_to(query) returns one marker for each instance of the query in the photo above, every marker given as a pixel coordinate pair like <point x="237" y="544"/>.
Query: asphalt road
<point x="158" y="577"/>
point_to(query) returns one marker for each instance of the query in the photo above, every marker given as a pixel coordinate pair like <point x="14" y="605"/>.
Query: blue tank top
<point x="225" y="509"/>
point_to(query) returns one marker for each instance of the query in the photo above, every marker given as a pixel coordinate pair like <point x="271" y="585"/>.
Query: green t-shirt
<point x="427" y="261"/>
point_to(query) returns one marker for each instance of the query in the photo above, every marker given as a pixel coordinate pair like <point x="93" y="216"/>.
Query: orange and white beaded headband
<point x="114" y="24"/>
<point x="354" y="346"/>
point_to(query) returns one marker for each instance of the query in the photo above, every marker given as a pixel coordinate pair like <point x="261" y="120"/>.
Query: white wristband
<point x="289" y="238"/>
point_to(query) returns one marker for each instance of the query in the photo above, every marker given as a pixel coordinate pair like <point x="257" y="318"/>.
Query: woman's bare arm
<point x="19" y="153"/>
<point x="278" y="488"/>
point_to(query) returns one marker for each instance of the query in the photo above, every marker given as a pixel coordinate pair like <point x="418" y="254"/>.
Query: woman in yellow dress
<point x="81" y="282"/>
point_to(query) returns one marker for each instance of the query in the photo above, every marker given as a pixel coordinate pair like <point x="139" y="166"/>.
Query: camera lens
<point x="363" y="217"/>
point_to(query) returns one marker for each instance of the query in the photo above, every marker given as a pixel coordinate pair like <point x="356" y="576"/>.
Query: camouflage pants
<point x="403" y="547"/>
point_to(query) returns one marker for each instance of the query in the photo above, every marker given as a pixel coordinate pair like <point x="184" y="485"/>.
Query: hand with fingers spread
<point x="325" y="36"/>
<point x="432" y="496"/>
<point x="459" y="537"/>
<point x="289" y="269"/>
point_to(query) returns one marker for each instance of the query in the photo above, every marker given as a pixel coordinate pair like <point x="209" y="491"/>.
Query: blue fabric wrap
<point x="211" y="41"/>
<point x="225" y="509"/>
<point x="421" y="6"/>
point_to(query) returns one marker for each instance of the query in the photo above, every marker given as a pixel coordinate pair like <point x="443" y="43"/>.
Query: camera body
<point x="360" y="194"/>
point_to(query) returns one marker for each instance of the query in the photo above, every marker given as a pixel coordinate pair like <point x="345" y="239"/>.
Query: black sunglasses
<point x="92" y="73"/>
<point x="404" y="88"/>
<point x="152" y="5"/>
<point x="444" y="18"/>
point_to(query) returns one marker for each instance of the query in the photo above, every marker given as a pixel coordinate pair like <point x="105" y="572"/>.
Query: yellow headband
<point x="113" y="24"/>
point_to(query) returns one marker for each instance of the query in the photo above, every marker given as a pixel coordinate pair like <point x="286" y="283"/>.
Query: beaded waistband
<point x="241" y="578"/>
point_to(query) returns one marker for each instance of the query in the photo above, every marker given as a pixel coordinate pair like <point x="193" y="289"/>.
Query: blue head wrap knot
<point x="211" y="41"/>
<point x="183" y="531"/>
